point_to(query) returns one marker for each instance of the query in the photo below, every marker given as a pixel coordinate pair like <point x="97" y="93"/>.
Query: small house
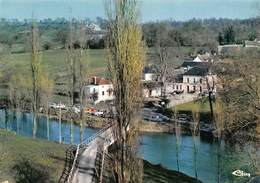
<point x="99" y="90"/>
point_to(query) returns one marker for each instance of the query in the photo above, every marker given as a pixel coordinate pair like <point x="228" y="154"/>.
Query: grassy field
<point x="158" y="174"/>
<point x="42" y="160"/>
<point x="200" y="105"/>
<point x="54" y="62"/>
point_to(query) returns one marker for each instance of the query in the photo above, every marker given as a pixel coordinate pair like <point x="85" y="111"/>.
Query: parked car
<point x="53" y="105"/>
<point x="98" y="113"/>
<point x="90" y="110"/>
<point x="76" y="109"/>
<point x="60" y="106"/>
<point x="156" y="119"/>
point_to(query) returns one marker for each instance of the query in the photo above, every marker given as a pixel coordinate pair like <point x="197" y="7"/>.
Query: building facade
<point x="99" y="90"/>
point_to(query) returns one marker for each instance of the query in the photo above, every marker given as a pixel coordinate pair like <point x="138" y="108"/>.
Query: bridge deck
<point x="85" y="168"/>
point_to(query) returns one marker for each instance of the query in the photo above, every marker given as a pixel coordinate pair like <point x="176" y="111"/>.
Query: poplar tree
<point x="35" y="73"/>
<point x="126" y="59"/>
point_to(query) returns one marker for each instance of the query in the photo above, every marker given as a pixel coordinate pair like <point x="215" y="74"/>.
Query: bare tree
<point x="77" y="65"/>
<point x="82" y="58"/>
<point x="195" y="135"/>
<point x="177" y="127"/>
<point x="71" y="63"/>
<point x="35" y="71"/>
<point x="163" y="50"/>
<point x="238" y="98"/>
<point x="46" y="92"/>
<point x="126" y="60"/>
<point x="219" y="126"/>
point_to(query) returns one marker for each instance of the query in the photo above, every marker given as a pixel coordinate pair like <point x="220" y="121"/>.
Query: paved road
<point x="85" y="168"/>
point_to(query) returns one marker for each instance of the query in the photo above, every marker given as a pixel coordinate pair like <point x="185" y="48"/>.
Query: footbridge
<point x="81" y="160"/>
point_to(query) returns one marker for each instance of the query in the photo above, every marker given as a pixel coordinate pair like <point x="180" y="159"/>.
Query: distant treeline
<point x="207" y="33"/>
<point x="203" y="33"/>
<point x="53" y="33"/>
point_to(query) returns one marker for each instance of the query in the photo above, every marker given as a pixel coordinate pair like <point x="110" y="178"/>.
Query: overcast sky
<point x="151" y="10"/>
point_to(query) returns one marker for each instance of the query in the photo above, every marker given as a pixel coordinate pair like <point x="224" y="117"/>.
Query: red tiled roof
<point x="103" y="82"/>
<point x="99" y="81"/>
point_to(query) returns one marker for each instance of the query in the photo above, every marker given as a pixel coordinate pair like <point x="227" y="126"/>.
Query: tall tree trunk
<point x="71" y="132"/>
<point x="81" y="126"/>
<point x="126" y="55"/>
<point x="219" y="161"/>
<point x="6" y="118"/>
<point x="17" y="121"/>
<point x="60" y="127"/>
<point x="195" y="159"/>
<point x="211" y="105"/>
<point x="48" y="120"/>
<point x="48" y="127"/>
<point x="35" y="71"/>
<point x="34" y="124"/>
<point x="177" y="156"/>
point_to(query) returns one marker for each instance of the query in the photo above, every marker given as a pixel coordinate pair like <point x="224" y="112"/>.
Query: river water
<point x="156" y="148"/>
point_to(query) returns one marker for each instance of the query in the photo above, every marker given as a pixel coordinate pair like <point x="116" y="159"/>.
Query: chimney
<point x="95" y="80"/>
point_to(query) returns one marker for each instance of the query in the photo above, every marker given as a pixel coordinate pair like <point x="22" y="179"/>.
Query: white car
<point x="76" y="109"/>
<point x="98" y="113"/>
<point x="60" y="106"/>
<point x="53" y="106"/>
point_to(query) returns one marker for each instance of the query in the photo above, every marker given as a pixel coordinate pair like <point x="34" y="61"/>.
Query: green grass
<point x="200" y="105"/>
<point x="158" y="174"/>
<point x="45" y="158"/>
<point x="54" y="62"/>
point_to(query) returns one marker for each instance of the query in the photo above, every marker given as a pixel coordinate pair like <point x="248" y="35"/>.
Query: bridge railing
<point x="72" y="171"/>
<point x="84" y="145"/>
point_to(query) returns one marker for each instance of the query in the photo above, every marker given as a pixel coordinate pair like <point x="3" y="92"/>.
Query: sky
<point x="151" y="10"/>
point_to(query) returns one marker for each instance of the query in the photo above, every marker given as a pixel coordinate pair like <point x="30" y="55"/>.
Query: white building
<point x="94" y="27"/>
<point x="152" y="89"/>
<point x="195" y="80"/>
<point x="150" y="74"/>
<point x="99" y="90"/>
<point x="207" y="57"/>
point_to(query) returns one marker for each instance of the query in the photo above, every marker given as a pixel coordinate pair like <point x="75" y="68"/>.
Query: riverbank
<point x="91" y="121"/>
<point x="42" y="161"/>
<point x="158" y="174"/>
<point x="23" y="157"/>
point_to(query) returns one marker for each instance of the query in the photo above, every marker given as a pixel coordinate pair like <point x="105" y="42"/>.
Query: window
<point x="200" y="89"/>
<point x="177" y="87"/>
<point x="188" y="80"/>
<point x="194" y="88"/>
<point x="200" y="80"/>
<point x="188" y="88"/>
<point x="103" y="93"/>
<point x="180" y="87"/>
<point x="194" y="80"/>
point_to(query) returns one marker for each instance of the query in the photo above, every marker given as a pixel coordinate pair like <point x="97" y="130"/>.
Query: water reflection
<point x="22" y="124"/>
<point x="156" y="148"/>
<point x="161" y="149"/>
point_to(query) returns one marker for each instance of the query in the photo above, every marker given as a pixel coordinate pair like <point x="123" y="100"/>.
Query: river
<point x="156" y="148"/>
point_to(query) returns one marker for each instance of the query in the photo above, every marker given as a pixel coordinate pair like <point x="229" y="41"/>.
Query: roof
<point x="150" y="70"/>
<point x="197" y="71"/>
<point x="203" y="57"/>
<point x="152" y="84"/>
<point x="194" y="64"/>
<point x="99" y="81"/>
<point x="103" y="82"/>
